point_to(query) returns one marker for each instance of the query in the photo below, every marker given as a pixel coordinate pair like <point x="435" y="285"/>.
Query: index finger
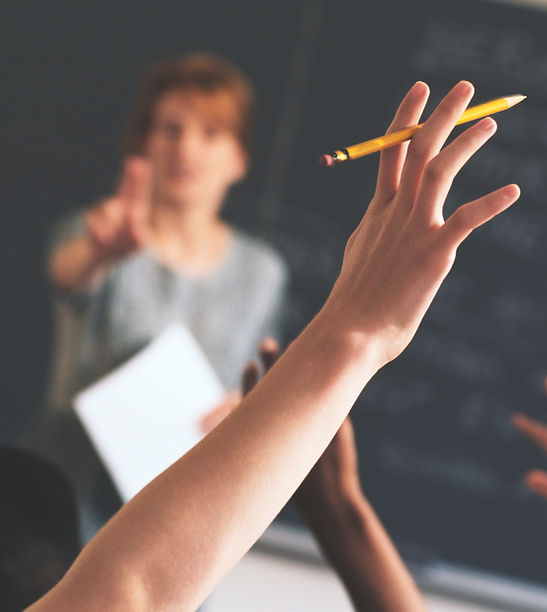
<point x="392" y="159"/>
<point x="269" y="352"/>
<point x="535" y="430"/>
<point x="136" y="182"/>
<point x="250" y="378"/>
<point x="431" y="137"/>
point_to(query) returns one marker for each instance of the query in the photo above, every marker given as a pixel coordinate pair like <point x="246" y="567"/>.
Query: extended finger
<point x="535" y="430"/>
<point x="392" y="159"/>
<point x="269" y="352"/>
<point x="101" y="222"/>
<point x="136" y="182"/>
<point x="431" y="137"/>
<point x="124" y="186"/>
<point x="537" y="482"/>
<point x="442" y="169"/>
<point x="473" y="214"/>
<point x="137" y="197"/>
<point x="250" y="377"/>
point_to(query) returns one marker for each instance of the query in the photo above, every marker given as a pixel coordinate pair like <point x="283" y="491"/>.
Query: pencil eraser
<point x="326" y="161"/>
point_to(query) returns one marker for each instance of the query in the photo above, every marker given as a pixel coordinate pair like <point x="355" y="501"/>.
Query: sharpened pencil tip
<point x="515" y="99"/>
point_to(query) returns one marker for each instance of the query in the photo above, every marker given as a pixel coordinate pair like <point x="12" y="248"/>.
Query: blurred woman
<point x="156" y="252"/>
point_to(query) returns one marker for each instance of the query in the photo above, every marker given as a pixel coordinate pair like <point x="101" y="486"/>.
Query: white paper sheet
<point x="144" y="415"/>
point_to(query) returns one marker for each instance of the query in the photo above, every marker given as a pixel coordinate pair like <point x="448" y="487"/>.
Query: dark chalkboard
<point x="439" y="458"/>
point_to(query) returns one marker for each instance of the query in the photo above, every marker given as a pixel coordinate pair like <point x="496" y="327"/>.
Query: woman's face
<point x="195" y="160"/>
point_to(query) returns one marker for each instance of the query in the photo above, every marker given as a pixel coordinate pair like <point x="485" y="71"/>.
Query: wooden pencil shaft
<point x="389" y="140"/>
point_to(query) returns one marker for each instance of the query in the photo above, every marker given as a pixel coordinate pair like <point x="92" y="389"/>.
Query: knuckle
<point x="349" y="244"/>
<point x="461" y="218"/>
<point x="419" y="148"/>
<point x="436" y="171"/>
<point x="446" y="110"/>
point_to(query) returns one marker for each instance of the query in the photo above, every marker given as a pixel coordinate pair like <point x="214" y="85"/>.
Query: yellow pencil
<point x="395" y="138"/>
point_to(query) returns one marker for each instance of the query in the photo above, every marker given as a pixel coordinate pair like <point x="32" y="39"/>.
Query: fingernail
<point x="487" y="124"/>
<point x="511" y="192"/>
<point x="463" y="88"/>
<point x="418" y="89"/>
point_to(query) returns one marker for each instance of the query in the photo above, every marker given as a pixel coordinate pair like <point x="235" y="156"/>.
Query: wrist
<point x="347" y="343"/>
<point x="97" y="255"/>
<point x="344" y="518"/>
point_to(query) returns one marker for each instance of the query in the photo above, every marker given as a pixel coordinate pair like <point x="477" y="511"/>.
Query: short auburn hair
<point x="222" y="90"/>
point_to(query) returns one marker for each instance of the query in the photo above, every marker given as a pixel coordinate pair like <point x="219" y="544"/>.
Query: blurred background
<point x="439" y="458"/>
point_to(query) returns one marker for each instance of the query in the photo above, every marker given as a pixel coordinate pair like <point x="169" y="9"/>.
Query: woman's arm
<point x="343" y="522"/>
<point x="76" y="265"/>
<point x="350" y="534"/>
<point x="114" y="228"/>
<point x="168" y="547"/>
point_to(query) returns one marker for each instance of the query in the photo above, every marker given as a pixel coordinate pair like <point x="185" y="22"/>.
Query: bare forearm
<point x="227" y="498"/>
<point x="76" y="265"/>
<point x="355" y="542"/>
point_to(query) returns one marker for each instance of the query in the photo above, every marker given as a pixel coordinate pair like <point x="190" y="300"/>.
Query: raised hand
<point x="403" y="248"/>
<point x="118" y="225"/>
<point x="205" y="511"/>
<point x="334" y="478"/>
<point x="344" y="524"/>
<point x="336" y="470"/>
<point x="268" y="352"/>
<point x="537" y="432"/>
